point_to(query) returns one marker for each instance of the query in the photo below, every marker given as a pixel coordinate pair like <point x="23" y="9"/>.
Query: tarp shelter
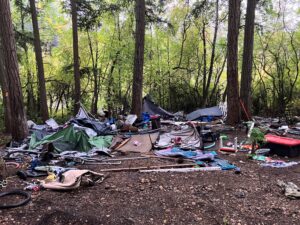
<point x="212" y="111"/>
<point x="189" y="136"/>
<point x="153" y="109"/>
<point x="83" y="119"/>
<point x="70" y="139"/>
<point x="141" y="143"/>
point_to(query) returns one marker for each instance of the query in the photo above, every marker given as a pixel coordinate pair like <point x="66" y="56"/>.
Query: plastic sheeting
<point x="83" y="119"/>
<point x="195" y="155"/>
<point x="101" y="141"/>
<point x="141" y="143"/>
<point x="71" y="180"/>
<point x="190" y="138"/>
<point x="291" y="190"/>
<point x="99" y="127"/>
<point x="71" y="139"/>
<point x="212" y="111"/>
<point x="150" y="107"/>
<point x="66" y="139"/>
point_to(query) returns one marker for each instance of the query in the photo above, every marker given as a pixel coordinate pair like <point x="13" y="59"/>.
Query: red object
<point x="177" y="140"/>
<point x="227" y="150"/>
<point x="282" y="140"/>
<point x="245" y="111"/>
<point x="36" y="188"/>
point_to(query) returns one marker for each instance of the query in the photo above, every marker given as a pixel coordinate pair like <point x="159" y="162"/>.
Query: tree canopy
<point x="185" y="54"/>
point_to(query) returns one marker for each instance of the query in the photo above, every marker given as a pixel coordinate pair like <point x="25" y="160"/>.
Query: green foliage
<point x="257" y="136"/>
<point x="175" y="62"/>
<point x="294" y="107"/>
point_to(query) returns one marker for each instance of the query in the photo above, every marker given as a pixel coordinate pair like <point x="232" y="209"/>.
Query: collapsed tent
<point x="187" y="137"/>
<point x="153" y="109"/>
<point x="141" y="143"/>
<point x="71" y="139"/>
<point x="84" y="120"/>
<point x="212" y="111"/>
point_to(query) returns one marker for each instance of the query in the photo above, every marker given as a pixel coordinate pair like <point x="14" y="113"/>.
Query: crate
<point x="283" y="146"/>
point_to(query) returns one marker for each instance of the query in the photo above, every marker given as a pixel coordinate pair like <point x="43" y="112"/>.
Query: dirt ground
<point x="214" y="197"/>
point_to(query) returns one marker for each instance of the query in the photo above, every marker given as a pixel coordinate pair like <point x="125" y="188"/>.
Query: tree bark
<point x="212" y="58"/>
<point x="137" y="86"/>
<point x="94" y="107"/>
<point x="75" y="57"/>
<point x="19" y="128"/>
<point x="204" y="94"/>
<point x="233" y="114"/>
<point x="246" y="78"/>
<point x="31" y="101"/>
<point x="4" y="89"/>
<point x="39" y="60"/>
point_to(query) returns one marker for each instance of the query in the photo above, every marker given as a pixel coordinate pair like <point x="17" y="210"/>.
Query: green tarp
<point x="101" y="141"/>
<point x="70" y="139"/>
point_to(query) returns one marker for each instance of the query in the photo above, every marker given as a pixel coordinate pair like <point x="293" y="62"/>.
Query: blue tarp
<point x="195" y="155"/>
<point x="212" y="111"/>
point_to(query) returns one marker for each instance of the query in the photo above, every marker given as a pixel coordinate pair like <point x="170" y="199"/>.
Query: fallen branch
<point x="145" y="168"/>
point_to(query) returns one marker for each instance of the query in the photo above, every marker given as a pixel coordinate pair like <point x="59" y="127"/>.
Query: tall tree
<point x="212" y="58"/>
<point x="4" y="88"/>
<point x="233" y="114"/>
<point x="246" y="78"/>
<point x="24" y="39"/>
<point x="39" y="62"/>
<point x="19" y="128"/>
<point x="137" y="85"/>
<point x="75" y="56"/>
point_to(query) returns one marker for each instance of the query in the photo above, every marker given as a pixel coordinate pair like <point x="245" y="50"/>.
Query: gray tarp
<point x="150" y="107"/>
<point x="212" y="111"/>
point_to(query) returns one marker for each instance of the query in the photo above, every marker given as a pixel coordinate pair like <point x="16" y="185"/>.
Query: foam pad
<point x="282" y="140"/>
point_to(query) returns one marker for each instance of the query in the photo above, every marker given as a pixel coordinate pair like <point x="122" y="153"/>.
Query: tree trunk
<point x="94" y="107"/>
<point x="19" y="128"/>
<point x="233" y="114"/>
<point x="137" y="85"/>
<point x="204" y="94"/>
<point x="212" y="58"/>
<point x="4" y="88"/>
<point x="39" y="61"/>
<point x="246" y="78"/>
<point x="75" y="57"/>
<point x="31" y="101"/>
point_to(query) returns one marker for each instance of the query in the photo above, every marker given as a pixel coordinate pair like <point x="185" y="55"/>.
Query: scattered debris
<point x="291" y="190"/>
<point x="15" y="193"/>
<point x="64" y="157"/>
<point x="183" y="170"/>
<point x="132" y="169"/>
<point x="72" y="179"/>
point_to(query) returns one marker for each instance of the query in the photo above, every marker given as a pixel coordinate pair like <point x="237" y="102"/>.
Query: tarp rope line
<point x="16" y="192"/>
<point x="244" y="109"/>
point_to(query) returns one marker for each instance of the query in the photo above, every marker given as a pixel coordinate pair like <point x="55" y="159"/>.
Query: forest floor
<point x="211" y="197"/>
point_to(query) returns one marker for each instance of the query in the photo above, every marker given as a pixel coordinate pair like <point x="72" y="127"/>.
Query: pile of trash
<point x="53" y="152"/>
